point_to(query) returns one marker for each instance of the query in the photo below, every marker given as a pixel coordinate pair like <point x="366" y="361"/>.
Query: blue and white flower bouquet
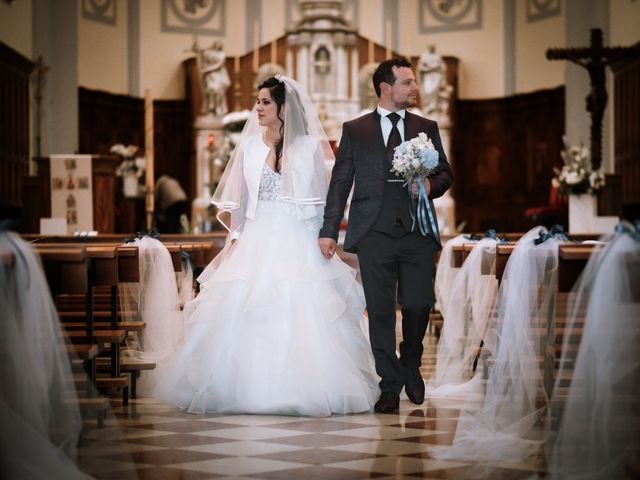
<point x="414" y="159"/>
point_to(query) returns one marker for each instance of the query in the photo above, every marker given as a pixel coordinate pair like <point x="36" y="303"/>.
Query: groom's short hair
<point x="384" y="72"/>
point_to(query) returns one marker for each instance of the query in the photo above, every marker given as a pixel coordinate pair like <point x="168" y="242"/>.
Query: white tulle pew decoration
<point x="598" y="414"/>
<point x="507" y="425"/>
<point x="472" y="295"/>
<point x="156" y="301"/>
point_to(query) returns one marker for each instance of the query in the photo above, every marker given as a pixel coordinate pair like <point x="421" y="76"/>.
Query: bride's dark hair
<point x="276" y="90"/>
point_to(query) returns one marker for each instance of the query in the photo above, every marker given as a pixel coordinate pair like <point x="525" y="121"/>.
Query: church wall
<point x="273" y="22"/>
<point x="15" y="26"/>
<point x="479" y="48"/>
<point x="533" y="36"/>
<point x="103" y="51"/>
<point x="624" y="20"/>
<point x="161" y="55"/>
<point x="371" y="24"/>
<point x="162" y="50"/>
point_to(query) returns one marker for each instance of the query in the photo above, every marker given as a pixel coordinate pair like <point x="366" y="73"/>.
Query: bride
<point x="276" y="328"/>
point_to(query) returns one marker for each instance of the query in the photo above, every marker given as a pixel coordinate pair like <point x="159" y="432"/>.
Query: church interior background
<point x="119" y="115"/>
<point x="76" y="75"/>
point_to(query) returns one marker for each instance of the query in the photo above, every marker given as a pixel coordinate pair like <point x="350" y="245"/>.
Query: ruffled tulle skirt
<point x="275" y="329"/>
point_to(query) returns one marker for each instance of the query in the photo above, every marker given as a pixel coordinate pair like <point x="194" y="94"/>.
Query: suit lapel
<point x="410" y="126"/>
<point x="375" y="127"/>
<point x="377" y="148"/>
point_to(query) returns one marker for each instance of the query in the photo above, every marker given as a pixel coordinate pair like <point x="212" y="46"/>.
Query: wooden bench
<point x="103" y="272"/>
<point x="70" y="271"/>
<point x="571" y="262"/>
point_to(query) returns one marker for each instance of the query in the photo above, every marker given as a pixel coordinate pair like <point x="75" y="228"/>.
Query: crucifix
<point x="595" y="59"/>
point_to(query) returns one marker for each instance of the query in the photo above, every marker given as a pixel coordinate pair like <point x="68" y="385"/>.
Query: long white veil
<point x="598" y="414"/>
<point x="305" y="160"/>
<point x="506" y="426"/>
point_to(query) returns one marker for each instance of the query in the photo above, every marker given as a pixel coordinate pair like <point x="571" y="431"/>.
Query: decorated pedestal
<point x="583" y="216"/>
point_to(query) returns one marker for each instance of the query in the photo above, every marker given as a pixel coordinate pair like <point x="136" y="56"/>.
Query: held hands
<point x="327" y="247"/>
<point x="415" y="188"/>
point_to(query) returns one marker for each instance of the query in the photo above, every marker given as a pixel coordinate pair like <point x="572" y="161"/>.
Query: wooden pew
<point x="70" y="271"/>
<point x="503" y="252"/>
<point x="104" y="273"/>
<point x="571" y="262"/>
<point x="105" y="294"/>
<point x="128" y="270"/>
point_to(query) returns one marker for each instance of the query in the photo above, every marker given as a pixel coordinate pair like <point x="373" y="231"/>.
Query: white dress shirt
<point x="386" y="124"/>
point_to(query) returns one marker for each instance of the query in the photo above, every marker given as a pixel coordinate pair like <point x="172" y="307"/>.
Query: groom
<point x="394" y="257"/>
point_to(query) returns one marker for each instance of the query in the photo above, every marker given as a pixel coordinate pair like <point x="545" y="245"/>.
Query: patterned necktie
<point x="394" y="137"/>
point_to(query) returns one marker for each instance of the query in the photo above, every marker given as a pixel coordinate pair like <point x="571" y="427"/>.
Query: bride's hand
<point x="327" y="247"/>
<point x="232" y="245"/>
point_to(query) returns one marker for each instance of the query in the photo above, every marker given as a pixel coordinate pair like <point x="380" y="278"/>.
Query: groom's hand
<point x="327" y="247"/>
<point x="415" y="189"/>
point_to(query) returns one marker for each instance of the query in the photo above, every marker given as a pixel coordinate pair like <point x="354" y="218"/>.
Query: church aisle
<point x="165" y="444"/>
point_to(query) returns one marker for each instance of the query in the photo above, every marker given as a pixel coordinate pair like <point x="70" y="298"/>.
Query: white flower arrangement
<point x="415" y="157"/>
<point x="577" y="177"/>
<point x="130" y="165"/>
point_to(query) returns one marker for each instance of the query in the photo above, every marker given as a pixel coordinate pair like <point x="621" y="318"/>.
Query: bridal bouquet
<point x="417" y="158"/>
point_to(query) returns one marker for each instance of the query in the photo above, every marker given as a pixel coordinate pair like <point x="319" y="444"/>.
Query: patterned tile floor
<point x="150" y="440"/>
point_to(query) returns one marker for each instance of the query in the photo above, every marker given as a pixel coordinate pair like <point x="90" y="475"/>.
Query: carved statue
<point x="215" y="79"/>
<point x="435" y="91"/>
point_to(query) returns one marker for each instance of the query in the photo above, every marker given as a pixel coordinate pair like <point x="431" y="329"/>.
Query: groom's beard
<point x="408" y="103"/>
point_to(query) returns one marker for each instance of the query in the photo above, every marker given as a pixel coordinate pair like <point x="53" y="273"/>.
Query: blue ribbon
<point x="631" y="229"/>
<point x="491" y="233"/>
<point x="153" y="233"/>
<point x="423" y="212"/>
<point x="557" y="232"/>
<point x="186" y="258"/>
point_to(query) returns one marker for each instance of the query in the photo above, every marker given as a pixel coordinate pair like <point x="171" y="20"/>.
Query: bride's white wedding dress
<point x="276" y="328"/>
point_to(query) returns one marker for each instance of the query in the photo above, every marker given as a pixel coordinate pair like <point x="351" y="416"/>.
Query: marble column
<point x="303" y="66"/>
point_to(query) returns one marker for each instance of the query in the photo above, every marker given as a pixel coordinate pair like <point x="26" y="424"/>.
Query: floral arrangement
<point x="234" y="122"/>
<point x="577" y="177"/>
<point x="415" y="157"/>
<point x="130" y="165"/>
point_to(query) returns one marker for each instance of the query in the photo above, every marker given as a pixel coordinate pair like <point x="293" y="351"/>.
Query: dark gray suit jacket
<point x="362" y="155"/>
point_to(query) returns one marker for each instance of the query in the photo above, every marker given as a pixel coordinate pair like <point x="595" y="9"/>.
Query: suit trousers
<point x="397" y="268"/>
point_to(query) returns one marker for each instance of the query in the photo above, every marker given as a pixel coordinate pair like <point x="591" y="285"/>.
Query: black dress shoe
<point x="389" y="402"/>
<point x="415" y="391"/>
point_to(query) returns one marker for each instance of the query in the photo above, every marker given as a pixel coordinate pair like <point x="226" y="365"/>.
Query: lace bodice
<point x="268" y="202"/>
<point x="269" y="184"/>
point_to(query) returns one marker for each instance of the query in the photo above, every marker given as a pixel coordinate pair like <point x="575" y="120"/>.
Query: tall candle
<point x="388" y="40"/>
<point x="148" y="149"/>
<point x="256" y="45"/>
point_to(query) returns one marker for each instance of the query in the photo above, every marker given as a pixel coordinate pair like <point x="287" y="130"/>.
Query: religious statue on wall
<point x="434" y="90"/>
<point x="215" y="79"/>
